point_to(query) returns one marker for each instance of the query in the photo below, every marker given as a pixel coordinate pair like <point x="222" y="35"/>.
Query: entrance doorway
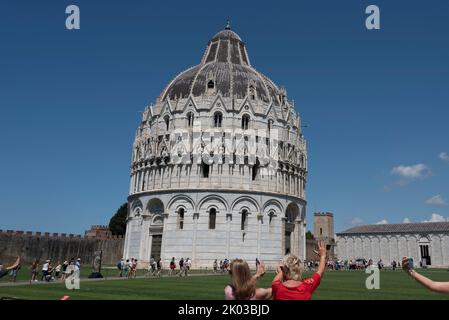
<point x="425" y="256"/>
<point x="424" y="250"/>
<point x="288" y="242"/>
<point x="156" y="243"/>
<point x="291" y="214"/>
<point x="155" y="211"/>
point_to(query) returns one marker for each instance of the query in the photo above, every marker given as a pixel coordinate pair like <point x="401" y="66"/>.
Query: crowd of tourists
<point x="48" y="271"/>
<point x="287" y="284"/>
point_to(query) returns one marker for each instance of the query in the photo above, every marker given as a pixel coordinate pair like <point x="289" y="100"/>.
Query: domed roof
<point x="224" y="69"/>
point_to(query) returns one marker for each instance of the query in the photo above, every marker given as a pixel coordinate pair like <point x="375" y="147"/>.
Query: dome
<point x="224" y="69"/>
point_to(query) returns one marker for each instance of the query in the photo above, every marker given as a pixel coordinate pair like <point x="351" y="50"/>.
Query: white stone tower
<point x="219" y="166"/>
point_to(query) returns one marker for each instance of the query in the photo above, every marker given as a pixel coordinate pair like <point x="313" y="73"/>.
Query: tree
<point x="309" y="235"/>
<point x="117" y="224"/>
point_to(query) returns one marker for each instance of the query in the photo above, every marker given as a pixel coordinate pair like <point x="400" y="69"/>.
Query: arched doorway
<point x="291" y="213"/>
<point x="156" y="210"/>
<point x="424" y="252"/>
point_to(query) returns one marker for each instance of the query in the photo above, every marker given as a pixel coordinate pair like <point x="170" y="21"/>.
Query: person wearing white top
<point x="45" y="269"/>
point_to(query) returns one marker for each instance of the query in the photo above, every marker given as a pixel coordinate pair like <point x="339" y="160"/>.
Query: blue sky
<point x="375" y="102"/>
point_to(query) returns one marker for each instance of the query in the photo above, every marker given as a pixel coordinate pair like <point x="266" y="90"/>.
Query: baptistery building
<point x="219" y="166"/>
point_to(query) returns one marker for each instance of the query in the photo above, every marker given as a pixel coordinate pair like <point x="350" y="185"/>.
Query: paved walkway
<point x="22" y="282"/>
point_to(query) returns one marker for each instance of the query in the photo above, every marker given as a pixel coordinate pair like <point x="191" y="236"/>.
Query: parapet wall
<point x="57" y="246"/>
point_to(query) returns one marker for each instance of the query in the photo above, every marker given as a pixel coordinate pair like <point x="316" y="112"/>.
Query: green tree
<point x="117" y="224"/>
<point x="309" y="235"/>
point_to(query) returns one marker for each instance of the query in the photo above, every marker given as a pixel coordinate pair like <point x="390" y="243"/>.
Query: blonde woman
<point x="288" y="283"/>
<point x="243" y="283"/>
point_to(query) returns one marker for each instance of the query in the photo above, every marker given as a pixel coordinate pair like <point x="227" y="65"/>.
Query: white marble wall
<point x="262" y="239"/>
<point x="393" y="247"/>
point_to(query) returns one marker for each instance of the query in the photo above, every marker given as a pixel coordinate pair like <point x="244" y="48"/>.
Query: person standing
<point x="159" y="267"/>
<point x="127" y="268"/>
<point x="288" y="283"/>
<point x="34" y="270"/>
<point x="58" y="270"/>
<point x="181" y="267"/>
<point x="188" y="265"/>
<point x="393" y="265"/>
<point x="45" y="269"/>
<point x="65" y="273"/>
<point x="244" y="285"/>
<point x="14" y="272"/>
<point x="215" y="266"/>
<point x="4" y="270"/>
<point x="172" y="266"/>
<point x="78" y="265"/>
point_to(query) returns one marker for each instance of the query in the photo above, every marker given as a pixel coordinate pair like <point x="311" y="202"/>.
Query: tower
<point x="323" y="226"/>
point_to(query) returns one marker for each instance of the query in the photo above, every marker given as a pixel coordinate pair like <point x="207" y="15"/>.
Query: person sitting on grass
<point x="439" y="287"/>
<point x="4" y="270"/>
<point x="243" y="284"/>
<point x="288" y="283"/>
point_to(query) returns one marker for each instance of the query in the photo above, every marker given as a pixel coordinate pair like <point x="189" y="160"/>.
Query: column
<point x="443" y="258"/>
<point x="228" y="238"/>
<point x="131" y="184"/>
<point x="164" y="259"/>
<point x="195" y="227"/>
<point x="259" y="231"/>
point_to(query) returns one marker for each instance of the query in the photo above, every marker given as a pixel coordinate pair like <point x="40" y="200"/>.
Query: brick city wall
<point x="57" y="246"/>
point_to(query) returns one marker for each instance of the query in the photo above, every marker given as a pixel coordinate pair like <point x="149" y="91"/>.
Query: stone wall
<point x="57" y="246"/>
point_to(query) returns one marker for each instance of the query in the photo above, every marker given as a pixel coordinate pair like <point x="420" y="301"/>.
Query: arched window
<point x="190" y="119"/>
<point x="218" y="118"/>
<point x="244" y="221"/>
<point x="181" y="219"/>
<point x="210" y="84"/>
<point x="167" y="122"/>
<point x="252" y="92"/>
<point x="245" y="122"/>
<point x="212" y="218"/>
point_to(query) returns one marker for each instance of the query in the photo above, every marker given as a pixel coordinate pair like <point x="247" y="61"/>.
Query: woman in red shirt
<point x="288" y="283"/>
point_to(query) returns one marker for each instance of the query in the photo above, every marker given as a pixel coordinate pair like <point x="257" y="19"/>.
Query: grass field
<point x="336" y="285"/>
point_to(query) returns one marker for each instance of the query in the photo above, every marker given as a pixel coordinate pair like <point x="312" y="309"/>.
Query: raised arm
<point x="15" y="265"/>
<point x="279" y="274"/>
<point x="440" y="287"/>
<point x="260" y="271"/>
<point x="322" y="254"/>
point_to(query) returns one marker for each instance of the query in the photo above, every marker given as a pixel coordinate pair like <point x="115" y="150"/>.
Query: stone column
<point x="228" y="236"/>
<point x="164" y="230"/>
<point x="259" y="231"/>
<point x="196" y="216"/>
<point x="298" y="239"/>
<point x="283" y="219"/>
<point x="443" y="258"/>
<point x="131" y="184"/>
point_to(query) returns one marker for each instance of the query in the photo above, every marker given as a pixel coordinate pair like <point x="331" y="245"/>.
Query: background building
<point x="323" y="229"/>
<point x="200" y="188"/>
<point x="426" y="242"/>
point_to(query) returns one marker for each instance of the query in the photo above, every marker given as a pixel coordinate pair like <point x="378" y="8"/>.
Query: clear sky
<point x="375" y="102"/>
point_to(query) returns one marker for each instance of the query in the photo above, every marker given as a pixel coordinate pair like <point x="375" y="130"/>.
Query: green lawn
<point x="335" y="285"/>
